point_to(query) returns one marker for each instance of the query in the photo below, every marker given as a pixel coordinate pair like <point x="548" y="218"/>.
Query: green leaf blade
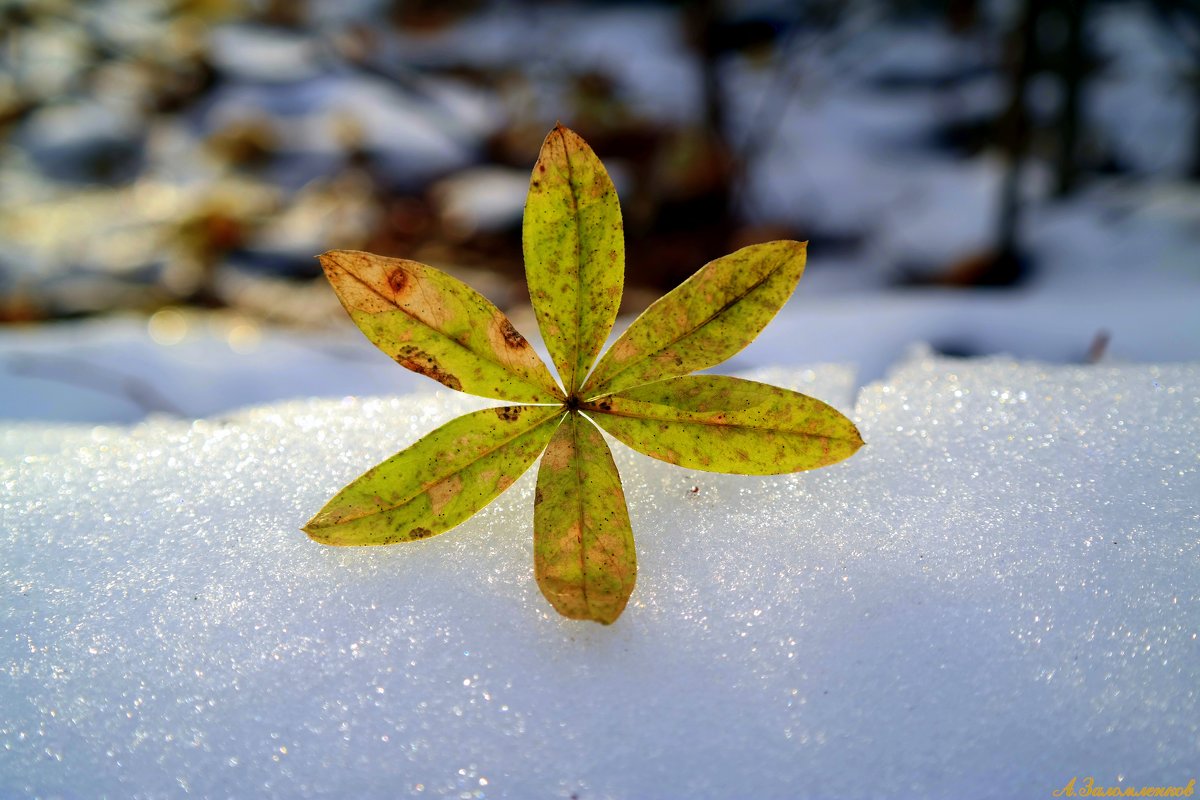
<point x="584" y="556"/>
<point x="438" y="326"/>
<point x="708" y="318"/>
<point x="721" y="424"/>
<point x="439" y="481"/>
<point x="574" y="247"/>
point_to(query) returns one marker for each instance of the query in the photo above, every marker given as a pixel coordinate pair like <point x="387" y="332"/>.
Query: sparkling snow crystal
<point x="998" y="593"/>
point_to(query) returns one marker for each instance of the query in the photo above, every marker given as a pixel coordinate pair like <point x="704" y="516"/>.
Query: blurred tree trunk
<point x="1194" y="171"/>
<point x="1068" y="63"/>
<point x="1015" y="140"/>
<point x="962" y="15"/>
<point x="706" y="22"/>
<point x="1072" y="68"/>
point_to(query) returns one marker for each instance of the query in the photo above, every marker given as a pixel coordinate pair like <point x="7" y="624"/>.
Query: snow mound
<point x="997" y="593"/>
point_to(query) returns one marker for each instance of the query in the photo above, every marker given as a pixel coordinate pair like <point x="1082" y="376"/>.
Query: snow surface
<point x="114" y="370"/>
<point x="996" y="594"/>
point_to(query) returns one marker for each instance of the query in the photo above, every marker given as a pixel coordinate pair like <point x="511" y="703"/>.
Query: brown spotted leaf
<point x="705" y="320"/>
<point x="574" y="252"/>
<point x="438" y="326"/>
<point x="583" y="550"/>
<point x="722" y="424"/>
<point x="439" y="481"/>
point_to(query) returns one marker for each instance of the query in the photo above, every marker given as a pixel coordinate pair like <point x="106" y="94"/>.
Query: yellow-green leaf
<point x="582" y="543"/>
<point x="438" y="326"/>
<point x="722" y="424"/>
<point x="705" y="320"/>
<point x="574" y="252"/>
<point x="440" y="480"/>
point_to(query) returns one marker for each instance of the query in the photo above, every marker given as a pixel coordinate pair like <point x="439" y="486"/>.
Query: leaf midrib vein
<point x="694" y="330"/>
<point x="573" y="383"/>
<point x="482" y="356"/>
<point x="425" y="487"/>
<point x="578" y="469"/>
<point x="711" y="423"/>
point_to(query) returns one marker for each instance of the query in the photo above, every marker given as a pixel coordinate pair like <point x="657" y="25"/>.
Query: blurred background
<point x="1012" y="177"/>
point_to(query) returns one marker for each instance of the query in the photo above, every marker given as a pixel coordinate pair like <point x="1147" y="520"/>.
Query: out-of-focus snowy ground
<point x="996" y="594"/>
<point x="836" y="150"/>
<point x="121" y="369"/>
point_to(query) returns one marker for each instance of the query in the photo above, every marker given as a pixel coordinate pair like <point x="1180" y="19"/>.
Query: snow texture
<point x="997" y="593"/>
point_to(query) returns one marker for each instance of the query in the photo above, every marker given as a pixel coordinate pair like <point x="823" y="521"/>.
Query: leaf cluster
<point x="641" y="391"/>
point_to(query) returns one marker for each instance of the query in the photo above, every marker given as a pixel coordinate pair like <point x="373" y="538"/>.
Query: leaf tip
<point x="313" y="530"/>
<point x="330" y="261"/>
<point x="570" y="139"/>
<point x="321" y="528"/>
<point x="798" y="248"/>
<point x="790" y="248"/>
<point x="854" y="439"/>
